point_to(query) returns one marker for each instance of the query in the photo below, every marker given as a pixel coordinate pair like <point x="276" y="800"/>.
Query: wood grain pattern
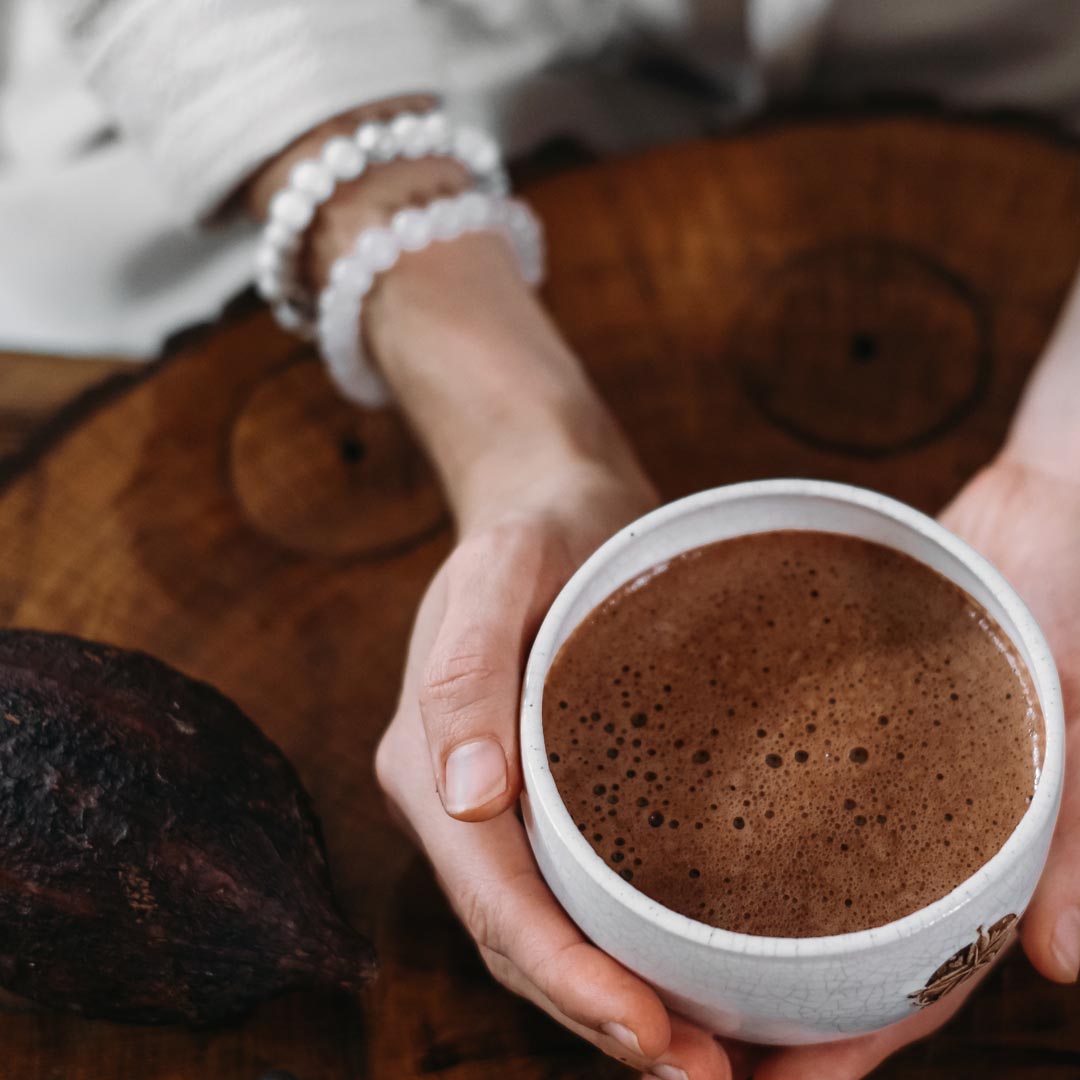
<point x="33" y="389"/>
<point x="853" y="300"/>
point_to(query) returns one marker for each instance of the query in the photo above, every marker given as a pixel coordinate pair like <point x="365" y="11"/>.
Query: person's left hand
<point x="1027" y="522"/>
<point x="449" y="764"/>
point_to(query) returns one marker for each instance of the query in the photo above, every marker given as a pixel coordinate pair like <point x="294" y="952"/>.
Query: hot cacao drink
<point x="793" y="734"/>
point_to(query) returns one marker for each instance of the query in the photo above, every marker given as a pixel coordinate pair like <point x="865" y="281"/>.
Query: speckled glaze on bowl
<point x="790" y="990"/>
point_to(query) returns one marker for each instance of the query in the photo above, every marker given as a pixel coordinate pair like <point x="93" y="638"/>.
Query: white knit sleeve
<point x="211" y="89"/>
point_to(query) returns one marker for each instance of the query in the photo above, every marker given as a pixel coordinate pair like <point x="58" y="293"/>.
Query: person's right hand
<point x="449" y="764"/>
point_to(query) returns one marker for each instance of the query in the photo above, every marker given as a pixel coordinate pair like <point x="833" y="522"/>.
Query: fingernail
<point x="669" y="1072"/>
<point x="1065" y="944"/>
<point x="475" y="774"/>
<point x="622" y="1034"/>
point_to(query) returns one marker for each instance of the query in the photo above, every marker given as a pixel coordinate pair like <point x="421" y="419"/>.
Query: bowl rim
<point x="543" y="796"/>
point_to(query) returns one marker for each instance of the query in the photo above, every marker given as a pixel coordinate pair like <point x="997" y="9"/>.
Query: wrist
<point x="355" y="205"/>
<point x="1032" y="450"/>
<point x="562" y="458"/>
<point x="500" y="401"/>
<point x="586" y="497"/>
<point x="498" y="398"/>
<point x="1045" y="435"/>
<point x="272" y="176"/>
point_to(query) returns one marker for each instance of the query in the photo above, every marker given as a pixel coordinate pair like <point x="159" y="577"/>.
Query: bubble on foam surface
<point x="831" y="776"/>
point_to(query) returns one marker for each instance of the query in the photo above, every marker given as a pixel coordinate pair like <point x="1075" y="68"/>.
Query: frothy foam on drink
<point x="793" y="734"/>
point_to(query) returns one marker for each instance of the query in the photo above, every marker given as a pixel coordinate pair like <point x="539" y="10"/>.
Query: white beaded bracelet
<point x="378" y="249"/>
<point x="312" y="181"/>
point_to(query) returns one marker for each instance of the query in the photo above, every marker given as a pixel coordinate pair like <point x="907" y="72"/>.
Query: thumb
<point x="471" y="684"/>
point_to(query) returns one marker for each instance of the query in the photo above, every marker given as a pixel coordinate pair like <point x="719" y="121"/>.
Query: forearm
<point x="502" y="403"/>
<point x="1045" y="432"/>
<point x="487" y="382"/>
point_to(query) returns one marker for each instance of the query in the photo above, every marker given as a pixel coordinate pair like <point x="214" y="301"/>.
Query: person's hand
<point x="537" y="474"/>
<point x="496" y="396"/>
<point x="449" y="764"/>
<point x="1027" y="522"/>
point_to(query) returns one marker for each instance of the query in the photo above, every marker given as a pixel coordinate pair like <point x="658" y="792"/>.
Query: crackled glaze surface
<point x="774" y="989"/>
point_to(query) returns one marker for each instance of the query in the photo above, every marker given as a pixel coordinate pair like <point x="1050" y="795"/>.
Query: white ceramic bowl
<point x="789" y="990"/>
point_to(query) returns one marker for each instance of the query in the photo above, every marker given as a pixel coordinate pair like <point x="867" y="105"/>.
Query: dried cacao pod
<point x="159" y="860"/>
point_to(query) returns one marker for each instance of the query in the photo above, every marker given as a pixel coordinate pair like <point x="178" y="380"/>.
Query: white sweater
<point x="202" y="91"/>
<point x="211" y="87"/>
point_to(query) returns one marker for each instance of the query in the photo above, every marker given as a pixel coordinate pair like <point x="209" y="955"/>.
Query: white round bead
<point x="436" y="130"/>
<point x="288" y="317"/>
<point x="337" y="272"/>
<point x="405" y="125"/>
<point x="378" y="249"/>
<point x="474" y="209"/>
<point x="292" y="209"/>
<point x="520" y="219"/>
<point x="314" y="179"/>
<point x="337" y="335"/>
<point x="497" y="183"/>
<point x="416" y="144"/>
<point x="269" y="259"/>
<point x="366" y="386"/>
<point x="386" y="146"/>
<point x="330" y="316"/>
<point x="465" y="140"/>
<point x="486" y="159"/>
<point x="270" y="284"/>
<point x="412" y="229"/>
<point x="367" y="137"/>
<point x="356" y="278"/>
<point x="339" y="340"/>
<point x="343" y="158"/>
<point x="477" y="149"/>
<point x="278" y="235"/>
<point x="445" y="218"/>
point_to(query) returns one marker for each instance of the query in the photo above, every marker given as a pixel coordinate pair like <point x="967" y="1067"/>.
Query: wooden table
<point x="857" y="300"/>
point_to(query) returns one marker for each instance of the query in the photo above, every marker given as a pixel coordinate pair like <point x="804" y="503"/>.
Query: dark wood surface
<point x="853" y="300"/>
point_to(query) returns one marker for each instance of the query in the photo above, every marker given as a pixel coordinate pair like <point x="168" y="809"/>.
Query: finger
<point x="744" y="1057"/>
<point x="490" y="876"/>
<point x="511" y="913"/>
<point x="488" y="872"/>
<point x="496" y="590"/>
<point x="692" y="1054"/>
<point x="1050" y="931"/>
<point x="614" y="1039"/>
<point x="852" y="1059"/>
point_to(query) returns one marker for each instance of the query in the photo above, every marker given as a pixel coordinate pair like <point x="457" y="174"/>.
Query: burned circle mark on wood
<point x="964" y="963"/>
<point x="318" y="476"/>
<point x="352" y="450"/>
<point x="866" y="349"/>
